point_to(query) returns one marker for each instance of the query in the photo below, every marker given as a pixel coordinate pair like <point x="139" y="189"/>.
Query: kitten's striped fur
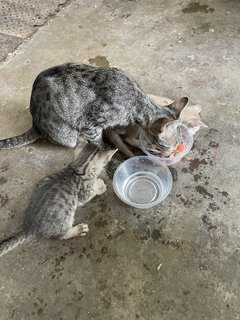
<point x="50" y="213"/>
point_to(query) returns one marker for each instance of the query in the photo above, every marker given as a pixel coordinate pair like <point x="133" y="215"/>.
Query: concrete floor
<point x="177" y="261"/>
<point x="19" y="19"/>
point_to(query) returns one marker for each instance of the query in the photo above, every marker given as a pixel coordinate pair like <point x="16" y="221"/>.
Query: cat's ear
<point x="160" y="125"/>
<point x="199" y="125"/>
<point x="178" y="105"/>
<point x="81" y="143"/>
<point x="109" y="154"/>
<point x="190" y="117"/>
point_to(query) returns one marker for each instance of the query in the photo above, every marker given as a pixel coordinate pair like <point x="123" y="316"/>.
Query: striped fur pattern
<point x="72" y="100"/>
<point x="50" y="213"/>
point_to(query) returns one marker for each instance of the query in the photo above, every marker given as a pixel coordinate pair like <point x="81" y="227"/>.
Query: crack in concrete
<point x="12" y="47"/>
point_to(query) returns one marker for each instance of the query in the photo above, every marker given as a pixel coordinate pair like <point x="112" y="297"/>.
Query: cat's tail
<point x="23" y="139"/>
<point x="12" y="242"/>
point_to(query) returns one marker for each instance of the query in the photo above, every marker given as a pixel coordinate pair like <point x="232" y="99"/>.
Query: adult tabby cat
<point x="74" y="100"/>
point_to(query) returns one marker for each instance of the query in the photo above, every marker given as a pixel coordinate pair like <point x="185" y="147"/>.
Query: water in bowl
<point x="143" y="187"/>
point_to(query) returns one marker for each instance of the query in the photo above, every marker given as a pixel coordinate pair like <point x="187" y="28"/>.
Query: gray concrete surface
<point x="177" y="261"/>
<point x="19" y="19"/>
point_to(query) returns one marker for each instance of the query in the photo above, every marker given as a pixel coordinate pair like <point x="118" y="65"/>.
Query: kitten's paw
<point x="78" y="230"/>
<point x="82" y="229"/>
<point x="100" y="187"/>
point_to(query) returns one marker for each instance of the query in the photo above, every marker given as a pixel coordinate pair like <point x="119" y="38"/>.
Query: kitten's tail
<point x="23" y="139"/>
<point x="12" y="242"/>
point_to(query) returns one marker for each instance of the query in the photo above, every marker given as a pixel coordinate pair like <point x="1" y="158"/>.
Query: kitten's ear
<point x="178" y="105"/>
<point x="81" y="143"/>
<point x="109" y="154"/>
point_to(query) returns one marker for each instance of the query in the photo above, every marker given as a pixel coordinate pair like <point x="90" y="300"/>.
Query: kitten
<point x="50" y="213"/>
<point x="170" y="134"/>
<point x="74" y="100"/>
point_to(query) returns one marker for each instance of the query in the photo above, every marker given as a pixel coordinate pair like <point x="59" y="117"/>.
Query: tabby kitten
<point x="74" y="100"/>
<point x="50" y="213"/>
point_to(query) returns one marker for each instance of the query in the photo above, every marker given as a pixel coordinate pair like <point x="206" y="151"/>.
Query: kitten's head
<point x="165" y="131"/>
<point x="101" y="159"/>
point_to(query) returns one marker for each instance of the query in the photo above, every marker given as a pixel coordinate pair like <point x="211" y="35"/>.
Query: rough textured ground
<point x="21" y="18"/>
<point x="177" y="261"/>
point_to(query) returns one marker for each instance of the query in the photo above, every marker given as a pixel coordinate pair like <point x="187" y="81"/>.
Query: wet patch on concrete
<point x="101" y="222"/>
<point x="212" y="133"/>
<point x="78" y="295"/>
<point x="4" y="167"/>
<point x="3" y="180"/>
<point x="99" y="61"/>
<point x="102" y="204"/>
<point x="213" y="206"/>
<point x="195" y="7"/>
<point x="197" y="177"/>
<point x="207" y="223"/>
<point x="156" y="234"/>
<point x="174" y="174"/>
<point x="203" y="28"/>
<point x="187" y="202"/>
<point x="204" y="192"/>
<point x="224" y="196"/>
<point x="172" y="243"/>
<point x="185" y="170"/>
<point x="206" y="156"/>
<point x="3" y="200"/>
<point x="11" y="215"/>
<point x="58" y="267"/>
<point x="213" y="144"/>
<point x="224" y="193"/>
<point x="124" y="16"/>
<point x="196" y="163"/>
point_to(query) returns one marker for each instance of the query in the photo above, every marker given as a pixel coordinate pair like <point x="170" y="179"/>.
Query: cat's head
<point x="165" y="131"/>
<point x="101" y="159"/>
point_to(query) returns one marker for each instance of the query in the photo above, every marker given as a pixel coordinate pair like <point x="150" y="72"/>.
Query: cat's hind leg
<point x="63" y="135"/>
<point x="78" y="230"/>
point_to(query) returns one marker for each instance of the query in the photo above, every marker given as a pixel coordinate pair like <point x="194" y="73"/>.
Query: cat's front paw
<point x="100" y="187"/>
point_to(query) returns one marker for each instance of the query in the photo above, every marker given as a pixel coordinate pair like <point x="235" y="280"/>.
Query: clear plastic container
<point x="142" y="182"/>
<point x="187" y="139"/>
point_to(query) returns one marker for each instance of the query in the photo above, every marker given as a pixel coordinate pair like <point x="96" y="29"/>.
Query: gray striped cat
<point x="50" y="213"/>
<point x="74" y="100"/>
